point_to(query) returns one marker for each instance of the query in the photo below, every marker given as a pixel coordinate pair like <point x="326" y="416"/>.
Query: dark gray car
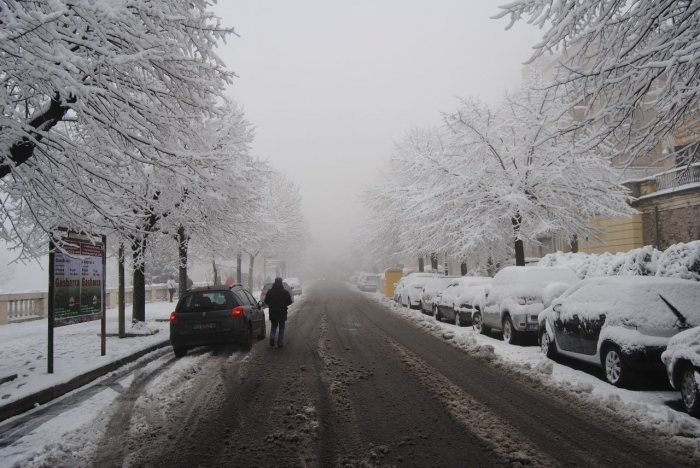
<point x="217" y="314"/>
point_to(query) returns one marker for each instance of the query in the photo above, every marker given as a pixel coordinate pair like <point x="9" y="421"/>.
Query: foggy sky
<point x="330" y="85"/>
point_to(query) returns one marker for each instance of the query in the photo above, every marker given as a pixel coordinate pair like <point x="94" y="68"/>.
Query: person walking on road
<point x="171" y="287"/>
<point x="278" y="299"/>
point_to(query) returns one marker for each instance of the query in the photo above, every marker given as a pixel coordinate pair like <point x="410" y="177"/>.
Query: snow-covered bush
<point x="678" y="261"/>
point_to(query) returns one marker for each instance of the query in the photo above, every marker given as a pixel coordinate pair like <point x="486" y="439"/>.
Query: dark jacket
<point x="278" y="299"/>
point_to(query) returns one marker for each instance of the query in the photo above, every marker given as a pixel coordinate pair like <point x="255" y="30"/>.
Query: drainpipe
<point x="656" y="227"/>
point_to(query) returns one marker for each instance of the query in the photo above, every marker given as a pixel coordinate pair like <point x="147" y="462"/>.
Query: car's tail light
<point x="418" y="287"/>
<point x="533" y="318"/>
<point x="173" y="318"/>
<point x="237" y="312"/>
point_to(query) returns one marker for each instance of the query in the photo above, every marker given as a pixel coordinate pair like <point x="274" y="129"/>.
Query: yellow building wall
<point x="619" y="235"/>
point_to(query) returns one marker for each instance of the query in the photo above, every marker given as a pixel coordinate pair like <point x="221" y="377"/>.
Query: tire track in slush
<point x="493" y="433"/>
<point x="336" y="375"/>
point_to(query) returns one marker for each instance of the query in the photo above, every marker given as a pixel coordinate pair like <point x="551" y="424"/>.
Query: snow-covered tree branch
<point x="630" y="69"/>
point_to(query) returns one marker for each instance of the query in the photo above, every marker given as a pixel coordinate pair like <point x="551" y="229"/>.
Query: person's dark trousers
<point x="172" y="293"/>
<point x="273" y="332"/>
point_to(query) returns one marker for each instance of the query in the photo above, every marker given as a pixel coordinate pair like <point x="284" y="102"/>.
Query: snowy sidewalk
<point x="23" y="350"/>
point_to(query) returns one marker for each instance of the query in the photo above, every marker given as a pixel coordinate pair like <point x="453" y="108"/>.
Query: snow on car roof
<point x="528" y="281"/>
<point x="638" y="300"/>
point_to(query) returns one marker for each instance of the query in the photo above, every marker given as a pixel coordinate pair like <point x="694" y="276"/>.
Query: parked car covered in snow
<point x="368" y="282"/>
<point x="516" y="297"/>
<point x="682" y="360"/>
<point x="430" y="295"/>
<point x="456" y="303"/>
<point x="398" y="287"/>
<point x="412" y="288"/>
<point x="621" y="323"/>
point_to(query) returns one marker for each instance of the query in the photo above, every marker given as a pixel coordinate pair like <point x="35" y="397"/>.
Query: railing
<point x="678" y="177"/>
<point x="20" y="307"/>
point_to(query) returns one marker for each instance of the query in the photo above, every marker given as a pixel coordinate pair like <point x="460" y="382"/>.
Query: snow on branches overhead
<point x="629" y="67"/>
<point x="489" y="178"/>
<point x="95" y="94"/>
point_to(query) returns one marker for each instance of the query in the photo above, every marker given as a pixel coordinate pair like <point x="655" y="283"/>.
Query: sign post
<point x="77" y="276"/>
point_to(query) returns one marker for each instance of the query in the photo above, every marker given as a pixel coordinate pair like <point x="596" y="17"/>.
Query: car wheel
<point x="617" y="372"/>
<point x="180" y="351"/>
<point x="478" y="324"/>
<point x="548" y="347"/>
<point x="248" y="343"/>
<point x="690" y="392"/>
<point x="263" y="332"/>
<point x="510" y="336"/>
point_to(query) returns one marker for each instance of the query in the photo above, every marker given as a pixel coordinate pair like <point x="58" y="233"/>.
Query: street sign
<point x="76" y="285"/>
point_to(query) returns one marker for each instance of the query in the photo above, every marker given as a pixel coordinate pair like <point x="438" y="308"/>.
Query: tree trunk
<point x="434" y="261"/>
<point x="463" y="268"/>
<point x="216" y="273"/>
<point x="138" y="248"/>
<point x="121" y="299"/>
<point x="238" y="268"/>
<point x="182" y="242"/>
<point x="574" y="244"/>
<point x="421" y="267"/>
<point x="250" y="273"/>
<point x="519" y="246"/>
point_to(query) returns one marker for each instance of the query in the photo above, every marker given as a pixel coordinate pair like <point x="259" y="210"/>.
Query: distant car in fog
<point x="268" y="286"/>
<point x="368" y="282"/>
<point x="294" y="284"/>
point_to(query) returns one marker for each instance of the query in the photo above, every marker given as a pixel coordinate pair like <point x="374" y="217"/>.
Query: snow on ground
<point x="647" y="407"/>
<point x="71" y="438"/>
<point x="23" y="349"/>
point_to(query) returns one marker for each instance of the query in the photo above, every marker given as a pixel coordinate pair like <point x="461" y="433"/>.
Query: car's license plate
<point x="204" y="326"/>
<point x="532" y="326"/>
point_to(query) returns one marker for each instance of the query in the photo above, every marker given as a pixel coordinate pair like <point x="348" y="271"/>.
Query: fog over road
<point x="357" y="385"/>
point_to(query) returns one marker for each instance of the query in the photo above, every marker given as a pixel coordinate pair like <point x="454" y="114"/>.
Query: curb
<point x="44" y="396"/>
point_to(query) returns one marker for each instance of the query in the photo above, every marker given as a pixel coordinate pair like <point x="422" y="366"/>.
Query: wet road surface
<point x="357" y="385"/>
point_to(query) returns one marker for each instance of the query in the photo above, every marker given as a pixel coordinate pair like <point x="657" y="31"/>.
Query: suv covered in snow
<point x="622" y="323"/>
<point x="368" y="282"/>
<point x="516" y="297"/>
<point x="216" y="314"/>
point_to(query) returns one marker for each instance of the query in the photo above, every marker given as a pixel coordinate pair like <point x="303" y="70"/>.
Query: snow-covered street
<point x="360" y="382"/>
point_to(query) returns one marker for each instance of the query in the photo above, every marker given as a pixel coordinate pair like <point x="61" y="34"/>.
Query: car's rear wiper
<point x="677" y="313"/>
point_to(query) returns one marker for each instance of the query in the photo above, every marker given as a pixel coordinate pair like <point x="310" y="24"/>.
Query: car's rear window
<point x="208" y="300"/>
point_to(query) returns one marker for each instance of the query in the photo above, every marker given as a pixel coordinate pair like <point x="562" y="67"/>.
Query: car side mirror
<point x="261" y="304"/>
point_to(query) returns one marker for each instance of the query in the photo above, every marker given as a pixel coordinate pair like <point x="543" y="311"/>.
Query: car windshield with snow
<point x="622" y="323"/>
<point x="516" y="297"/>
<point x="456" y="303"/>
